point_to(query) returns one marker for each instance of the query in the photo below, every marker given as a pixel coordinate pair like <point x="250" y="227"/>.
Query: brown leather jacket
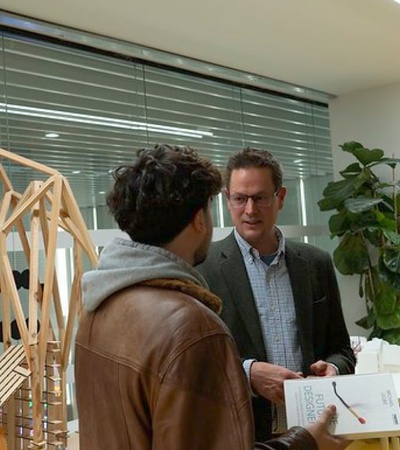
<point x="157" y="369"/>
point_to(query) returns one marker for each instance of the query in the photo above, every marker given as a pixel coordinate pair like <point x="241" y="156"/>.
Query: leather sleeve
<point x="297" y="438"/>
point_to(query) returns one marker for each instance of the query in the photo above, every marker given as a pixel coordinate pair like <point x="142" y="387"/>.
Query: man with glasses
<point x="280" y="298"/>
<point x="155" y="367"/>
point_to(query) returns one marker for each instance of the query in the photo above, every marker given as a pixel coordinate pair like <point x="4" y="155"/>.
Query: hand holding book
<point x="366" y="405"/>
<point x="319" y="431"/>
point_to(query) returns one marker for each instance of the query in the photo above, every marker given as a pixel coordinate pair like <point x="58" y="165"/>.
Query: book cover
<point x="366" y="405"/>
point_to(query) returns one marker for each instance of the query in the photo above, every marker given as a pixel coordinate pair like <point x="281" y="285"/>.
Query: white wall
<point x="373" y="118"/>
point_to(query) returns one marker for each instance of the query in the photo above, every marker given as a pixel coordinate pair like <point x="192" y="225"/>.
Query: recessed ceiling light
<point x="102" y="192"/>
<point x="52" y="135"/>
<point x="397" y="1"/>
<point x="76" y="171"/>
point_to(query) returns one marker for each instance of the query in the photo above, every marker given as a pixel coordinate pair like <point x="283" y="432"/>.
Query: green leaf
<point x="392" y="162"/>
<point x="392" y="236"/>
<point x="392" y="279"/>
<point x="361" y="204"/>
<point x="363" y="323"/>
<point x="363" y="154"/>
<point x="363" y="221"/>
<point x="391" y="259"/>
<point x="351" y="170"/>
<point x="367" y="156"/>
<point x="326" y="204"/>
<point x="368" y="321"/>
<point x="387" y="184"/>
<point x="339" y="224"/>
<point x="351" y="146"/>
<point x="351" y="255"/>
<point x="392" y="336"/>
<point x="385" y="301"/>
<point x="336" y="192"/>
<point x="388" y="321"/>
<point x="376" y="333"/>
<point x="387" y="224"/>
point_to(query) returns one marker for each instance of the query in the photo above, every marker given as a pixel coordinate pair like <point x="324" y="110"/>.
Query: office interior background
<point x="84" y="85"/>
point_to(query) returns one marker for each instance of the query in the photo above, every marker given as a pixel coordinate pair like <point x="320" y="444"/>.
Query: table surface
<point x="362" y="445"/>
<point x="371" y="444"/>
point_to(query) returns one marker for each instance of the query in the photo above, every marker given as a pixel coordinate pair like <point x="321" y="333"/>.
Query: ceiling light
<point x="102" y="192"/>
<point x="101" y="120"/>
<point x="52" y="135"/>
<point x="397" y="1"/>
<point x="76" y="172"/>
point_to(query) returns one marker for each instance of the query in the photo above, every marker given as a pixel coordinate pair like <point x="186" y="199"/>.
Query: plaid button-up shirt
<point x="273" y="296"/>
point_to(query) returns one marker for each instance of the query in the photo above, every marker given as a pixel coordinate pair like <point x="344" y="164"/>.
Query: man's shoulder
<point x="170" y="302"/>
<point x="191" y="318"/>
<point x="219" y="251"/>
<point x="224" y="243"/>
<point x="222" y="246"/>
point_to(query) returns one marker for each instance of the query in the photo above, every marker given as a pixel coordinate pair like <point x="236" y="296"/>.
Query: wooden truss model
<point x="33" y="375"/>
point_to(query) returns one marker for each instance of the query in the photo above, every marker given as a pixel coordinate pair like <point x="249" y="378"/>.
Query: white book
<point x="366" y="405"/>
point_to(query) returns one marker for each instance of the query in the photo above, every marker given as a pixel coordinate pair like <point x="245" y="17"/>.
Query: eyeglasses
<point x="261" y="200"/>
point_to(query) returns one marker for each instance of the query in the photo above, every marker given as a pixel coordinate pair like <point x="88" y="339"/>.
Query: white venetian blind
<point x="105" y="107"/>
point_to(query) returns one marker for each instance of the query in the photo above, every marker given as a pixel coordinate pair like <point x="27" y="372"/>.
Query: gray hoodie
<point x="124" y="263"/>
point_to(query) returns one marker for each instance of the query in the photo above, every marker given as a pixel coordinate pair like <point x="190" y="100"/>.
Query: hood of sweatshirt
<point x="124" y="263"/>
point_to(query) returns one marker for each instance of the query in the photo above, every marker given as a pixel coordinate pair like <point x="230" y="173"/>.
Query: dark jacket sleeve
<point x="339" y="350"/>
<point x="297" y="438"/>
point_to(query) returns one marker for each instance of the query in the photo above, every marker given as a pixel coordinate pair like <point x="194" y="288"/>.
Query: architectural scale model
<point x="33" y="410"/>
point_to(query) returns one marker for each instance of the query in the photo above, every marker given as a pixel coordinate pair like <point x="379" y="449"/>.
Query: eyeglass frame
<point x="253" y="197"/>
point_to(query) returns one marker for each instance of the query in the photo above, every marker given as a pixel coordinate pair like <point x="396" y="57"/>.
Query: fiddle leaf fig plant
<point x="366" y="220"/>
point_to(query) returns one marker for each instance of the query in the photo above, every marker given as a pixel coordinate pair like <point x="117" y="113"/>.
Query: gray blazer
<point x="322" y="330"/>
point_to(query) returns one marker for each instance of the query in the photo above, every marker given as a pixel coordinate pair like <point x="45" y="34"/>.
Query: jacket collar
<point x="187" y="287"/>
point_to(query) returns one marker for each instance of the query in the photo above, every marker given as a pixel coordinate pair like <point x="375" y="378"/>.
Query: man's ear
<point x="281" y="196"/>
<point x="226" y="192"/>
<point x="199" y="220"/>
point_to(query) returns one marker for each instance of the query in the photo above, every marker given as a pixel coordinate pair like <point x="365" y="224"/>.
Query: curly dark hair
<point x="157" y="196"/>
<point x="252" y="157"/>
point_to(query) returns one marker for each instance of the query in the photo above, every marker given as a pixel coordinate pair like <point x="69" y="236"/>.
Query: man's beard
<point x="200" y="254"/>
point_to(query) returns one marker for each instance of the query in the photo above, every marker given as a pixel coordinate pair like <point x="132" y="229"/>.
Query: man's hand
<point x="267" y="380"/>
<point x="319" y="431"/>
<point x="323" y="369"/>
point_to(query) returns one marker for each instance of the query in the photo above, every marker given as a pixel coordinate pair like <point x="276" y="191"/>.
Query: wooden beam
<point x="74" y="302"/>
<point x="49" y="270"/>
<point x="27" y="162"/>
<point x="12" y="292"/>
<point x="34" y="269"/>
<point x="55" y="290"/>
<point x="22" y="209"/>
<point x="6" y="312"/>
<point x="4" y="179"/>
<point x="77" y="219"/>
<point x="5" y="206"/>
